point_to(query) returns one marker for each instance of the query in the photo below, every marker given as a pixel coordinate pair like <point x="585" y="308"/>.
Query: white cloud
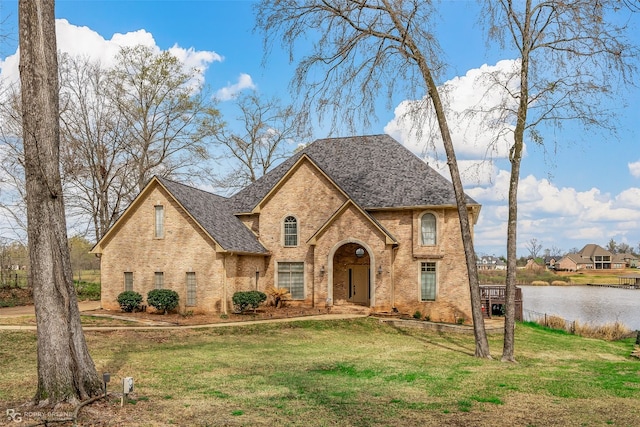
<point x="634" y="169"/>
<point x="232" y="90"/>
<point x="557" y="216"/>
<point x="562" y="217"/>
<point x="475" y="107"/>
<point x="83" y="41"/>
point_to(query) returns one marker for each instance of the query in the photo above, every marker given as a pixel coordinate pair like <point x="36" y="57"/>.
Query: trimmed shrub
<point x="163" y="300"/>
<point x="243" y="300"/>
<point x="129" y="301"/>
<point x="417" y="315"/>
<point x="559" y="283"/>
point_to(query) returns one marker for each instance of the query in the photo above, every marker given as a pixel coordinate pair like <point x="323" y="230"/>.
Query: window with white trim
<point x="158" y="280"/>
<point x="291" y="277"/>
<point x="128" y="281"/>
<point x="191" y="289"/>
<point x="428" y="283"/>
<point x="290" y="231"/>
<point x="428" y="229"/>
<point x="159" y="223"/>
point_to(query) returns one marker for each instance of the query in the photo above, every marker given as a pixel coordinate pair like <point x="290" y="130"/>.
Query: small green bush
<point x="163" y="300"/>
<point x="129" y="301"/>
<point x="417" y="315"/>
<point x="244" y="300"/>
<point x="87" y="290"/>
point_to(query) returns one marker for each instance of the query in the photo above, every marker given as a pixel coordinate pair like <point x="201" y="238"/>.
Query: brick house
<point x="358" y="220"/>
<point x="591" y="257"/>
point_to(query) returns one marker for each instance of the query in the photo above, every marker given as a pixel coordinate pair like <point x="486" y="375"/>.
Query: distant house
<point x="345" y="221"/>
<point x="625" y="261"/>
<point x="550" y="262"/>
<point x="591" y="257"/>
<point x="488" y="262"/>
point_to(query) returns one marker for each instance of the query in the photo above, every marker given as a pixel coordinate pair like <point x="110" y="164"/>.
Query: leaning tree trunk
<point x="66" y="371"/>
<point x="482" y="343"/>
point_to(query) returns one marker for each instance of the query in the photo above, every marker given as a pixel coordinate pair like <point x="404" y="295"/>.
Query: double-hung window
<point x="159" y="280"/>
<point x="291" y="277"/>
<point x="128" y="281"/>
<point x="290" y="231"/>
<point x="428" y="281"/>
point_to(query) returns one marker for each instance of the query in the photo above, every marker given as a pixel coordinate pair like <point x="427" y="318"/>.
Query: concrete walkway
<point x="210" y="325"/>
<point x="492" y="326"/>
<point x="29" y="310"/>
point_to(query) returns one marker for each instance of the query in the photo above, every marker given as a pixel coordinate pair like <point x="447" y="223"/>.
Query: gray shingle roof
<point x="215" y="215"/>
<point x="375" y="171"/>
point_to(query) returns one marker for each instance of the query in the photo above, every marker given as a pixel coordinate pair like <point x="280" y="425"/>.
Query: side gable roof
<point x="576" y="259"/>
<point x="375" y="171"/>
<point x="211" y="212"/>
<point x="215" y="216"/>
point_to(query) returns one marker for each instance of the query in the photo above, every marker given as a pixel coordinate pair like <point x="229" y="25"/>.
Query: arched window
<point x="290" y="231"/>
<point x="428" y="229"/>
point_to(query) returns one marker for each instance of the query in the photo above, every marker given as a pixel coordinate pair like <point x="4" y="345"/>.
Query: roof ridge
<point x="192" y="187"/>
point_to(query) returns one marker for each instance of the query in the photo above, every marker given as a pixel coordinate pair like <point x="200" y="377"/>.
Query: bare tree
<point x="96" y="165"/>
<point x="572" y="54"/>
<point x="612" y="246"/>
<point x="164" y="108"/>
<point x="268" y="129"/>
<point x="624" y="248"/>
<point x="66" y="371"/>
<point x="12" y="179"/>
<point x="366" y="47"/>
<point x="534" y="247"/>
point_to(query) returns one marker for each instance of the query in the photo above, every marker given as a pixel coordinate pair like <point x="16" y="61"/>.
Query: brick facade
<point x="330" y="230"/>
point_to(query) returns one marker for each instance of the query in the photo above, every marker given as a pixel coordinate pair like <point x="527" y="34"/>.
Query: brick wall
<point x="312" y="199"/>
<point x="184" y="248"/>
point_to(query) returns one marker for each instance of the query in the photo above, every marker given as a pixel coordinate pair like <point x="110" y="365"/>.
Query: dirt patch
<point x="188" y="318"/>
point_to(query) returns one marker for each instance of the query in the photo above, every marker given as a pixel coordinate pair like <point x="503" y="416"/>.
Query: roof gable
<point x="374" y="171"/>
<point x="389" y="239"/>
<point x="290" y="172"/>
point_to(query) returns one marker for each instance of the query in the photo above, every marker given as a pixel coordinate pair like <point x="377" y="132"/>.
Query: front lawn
<point x="345" y="373"/>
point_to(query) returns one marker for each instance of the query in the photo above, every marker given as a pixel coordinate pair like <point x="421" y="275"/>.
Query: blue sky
<point x="586" y="191"/>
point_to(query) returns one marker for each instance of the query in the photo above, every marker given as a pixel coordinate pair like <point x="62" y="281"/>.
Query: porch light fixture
<point x="380" y="269"/>
<point x="322" y="270"/>
<point x="359" y="252"/>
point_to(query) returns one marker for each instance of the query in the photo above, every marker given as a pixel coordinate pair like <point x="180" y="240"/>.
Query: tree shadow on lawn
<point x="453" y="339"/>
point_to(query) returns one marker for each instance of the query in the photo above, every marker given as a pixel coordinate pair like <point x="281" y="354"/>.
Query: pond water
<point x="587" y="304"/>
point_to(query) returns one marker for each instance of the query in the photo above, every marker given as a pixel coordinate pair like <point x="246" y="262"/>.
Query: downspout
<point x="313" y="280"/>
<point x="224" y="284"/>
<point x="394" y="249"/>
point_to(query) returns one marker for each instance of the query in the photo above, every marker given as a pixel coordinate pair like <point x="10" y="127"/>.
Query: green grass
<point x="351" y="373"/>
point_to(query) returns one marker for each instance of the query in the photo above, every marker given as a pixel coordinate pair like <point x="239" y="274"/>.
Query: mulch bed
<point x="185" y="319"/>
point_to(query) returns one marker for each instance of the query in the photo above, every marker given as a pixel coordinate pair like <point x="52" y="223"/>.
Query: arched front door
<point x="351" y="276"/>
